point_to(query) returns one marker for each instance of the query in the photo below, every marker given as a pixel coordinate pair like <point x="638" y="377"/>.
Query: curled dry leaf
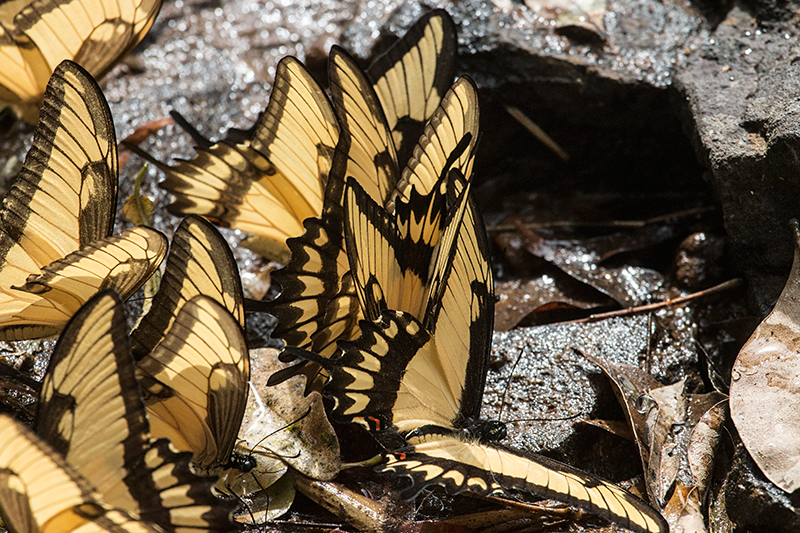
<point x="282" y="422"/>
<point x="281" y="428"/>
<point x="583" y="260"/>
<point x="765" y="387"/>
<point x="677" y="434"/>
<point x="684" y="510"/>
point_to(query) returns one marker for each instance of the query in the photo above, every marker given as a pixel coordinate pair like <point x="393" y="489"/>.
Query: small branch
<point x="609" y="224"/>
<point x="730" y="284"/>
<point x="537" y="132"/>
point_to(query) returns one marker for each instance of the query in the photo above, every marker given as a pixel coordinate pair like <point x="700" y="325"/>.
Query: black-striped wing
<point x="269" y="184"/>
<point x="65" y="195"/>
<point x="200" y="262"/>
<point x="318" y="303"/>
<point x="38" y="488"/>
<point x="91" y="413"/>
<point x="430" y="260"/>
<point x="398" y="376"/>
<point x="55" y="223"/>
<point x="195" y="383"/>
<point x="390" y="255"/>
<point x="36" y="36"/>
<point x="366" y="150"/>
<point x="317" y="293"/>
<point x="448" y="141"/>
<point x="412" y="76"/>
<point x="460" y="465"/>
<point x="43" y="304"/>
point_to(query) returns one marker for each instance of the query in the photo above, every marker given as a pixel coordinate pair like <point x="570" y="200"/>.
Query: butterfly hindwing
<point x="195" y="382"/>
<point x="412" y="76"/>
<point x="384" y="392"/>
<point x="36" y="36"/>
<point x="459" y="465"/>
<point x="91" y="413"/>
<point x="199" y="262"/>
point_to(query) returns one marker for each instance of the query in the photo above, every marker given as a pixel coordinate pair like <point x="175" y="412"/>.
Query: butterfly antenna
<point x="265" y="437"/>
<point x="241" y="500"/>
<point x="508" y="384"/>
<point x="200" y="140"/>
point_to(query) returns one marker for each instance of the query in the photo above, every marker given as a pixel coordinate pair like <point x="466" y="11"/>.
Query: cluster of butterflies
<point x="386" y="302"/>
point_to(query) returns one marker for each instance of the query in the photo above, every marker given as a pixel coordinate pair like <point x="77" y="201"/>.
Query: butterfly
<point x="318" y="303"/>
<point x="35" y="36"/>
<point x="191" y="357"/>
<point x="56" y="242"/>
<point x="92" y="415"/>
<point x="38" y="488"/>
<point x="268" y="183"/>
<point x="419" y="375"/>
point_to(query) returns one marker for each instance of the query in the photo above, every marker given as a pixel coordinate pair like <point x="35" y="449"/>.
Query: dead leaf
<point x="281" y="428"/>
<point x="628" y="285"/>
<point x="282" y="422"/>
<point x="677" y="434"/>
<point x="765" y="387"/>
<point x="518" y="300"/>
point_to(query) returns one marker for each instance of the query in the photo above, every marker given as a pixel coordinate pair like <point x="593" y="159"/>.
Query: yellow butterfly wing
<point x="195" y="383"/>
<point x="448" y="141"/>
<point x="411" y="78"/>
<point x="36" y="36"/>
<point x="91" y="412"/>
<point x="56" y="221"/>
<point x="366" y="151"/>
<point x="460" y="465"/>
<point x="199" y="263"/>
<point x="273" y="181"/>
<point x="45" y="302"/>
<point x="318" y="303"/>
<point x="65" y="194"/>
<point x="39" y="491"/>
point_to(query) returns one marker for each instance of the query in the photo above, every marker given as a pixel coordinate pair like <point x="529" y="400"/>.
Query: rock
<point x="753" y="503"/>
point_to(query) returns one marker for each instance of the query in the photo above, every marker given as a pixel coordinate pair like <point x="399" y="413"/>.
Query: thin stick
<point x="537" y="132"/>
<point x="730" y="284"/>
<point x="608" y="224"/>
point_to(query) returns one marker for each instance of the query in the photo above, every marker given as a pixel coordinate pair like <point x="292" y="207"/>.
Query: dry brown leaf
<point x="677" y="434"/>
<point x="765" y="387"/>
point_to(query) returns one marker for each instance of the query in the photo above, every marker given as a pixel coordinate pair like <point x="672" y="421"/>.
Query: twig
<point x="730" y="284"/>
<point x="537" y="132"/>
<point x="607" y="224"/>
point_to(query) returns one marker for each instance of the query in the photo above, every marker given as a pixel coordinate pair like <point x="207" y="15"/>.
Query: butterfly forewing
<point x="92" y="413"/>
<point x="448" y="141"/>
<point x="411" y="78"/>
<point x="459" y="465"/>
<point x="199" y="262"/>
<point x="298" y="134"/>
<point x="65" y="195"/>
<point x="38" y="488"/>
<point x="195" y="382"/>
<point x="41" y="306"/>
<point x="367" y="149"/>
<point x="275" y="179"/>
